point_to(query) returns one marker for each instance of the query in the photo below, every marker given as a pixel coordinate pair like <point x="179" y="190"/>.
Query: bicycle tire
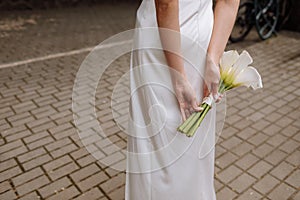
<point x="260" y="15"/>
<point x="246" y="23"/>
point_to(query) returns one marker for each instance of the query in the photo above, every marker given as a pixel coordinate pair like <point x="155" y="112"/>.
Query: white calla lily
<point x="249" y="77"/>
<point x="228" y="59"/>
<point x="239" y="73"/>
<point x="242" y="62"/>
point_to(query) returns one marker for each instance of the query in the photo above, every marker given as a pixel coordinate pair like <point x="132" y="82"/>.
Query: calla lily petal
<point x="228" y="59"/>
<point x="242" y="62"/>
<point x="249" y="77"/>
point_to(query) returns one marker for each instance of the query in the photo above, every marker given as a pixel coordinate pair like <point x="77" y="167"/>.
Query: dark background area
<point x="292" y="23"/>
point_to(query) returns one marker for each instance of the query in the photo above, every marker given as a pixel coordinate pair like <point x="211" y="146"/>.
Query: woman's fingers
<point x="187" y="113"/>
<point x="183" y="113"/>
<point x="195" y="106"/>
<point x="205" y="90"/>
<point x="214" y="90"/>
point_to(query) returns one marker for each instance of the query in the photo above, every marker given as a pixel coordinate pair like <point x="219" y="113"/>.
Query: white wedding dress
<point x="163" y="164"/>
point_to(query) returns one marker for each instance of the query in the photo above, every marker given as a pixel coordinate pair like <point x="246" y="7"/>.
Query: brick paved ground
<point x="42" y="156"/>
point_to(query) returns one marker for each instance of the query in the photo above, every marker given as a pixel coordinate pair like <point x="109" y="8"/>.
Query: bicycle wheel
<point x="266" y="17"/>
<point x="244" y="22"/>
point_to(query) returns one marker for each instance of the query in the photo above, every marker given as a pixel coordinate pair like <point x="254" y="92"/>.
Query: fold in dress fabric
<point x="163" y="164"/>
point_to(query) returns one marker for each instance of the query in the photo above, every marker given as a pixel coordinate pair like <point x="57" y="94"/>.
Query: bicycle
<point x="263" y="14"/>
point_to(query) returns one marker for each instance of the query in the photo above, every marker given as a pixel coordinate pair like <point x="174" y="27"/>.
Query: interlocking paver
<point x="294" y="178"/>
<point x="38" y="161"/>
<point x="275" y="157"/>
<point x="8" y="195"/>
<point x="226" y="193"/>
<point x="247" y="161"/>
<point x="229" y="174"/>
<point x="250" y="195"/>
<point x="266" y="184"/>
<point x="260" y="169"/>
<point x="283" y="191"/>
<point x="55" y="187"/>
<point x="67" y="193"/>
<point x="28" y="176"/>
<point x="32" y="185"/>
<point x="92" y="194"/>
<point x="242" y="182"/>
<point x="4" y="186"/>
<point x="43" y="157"/>
<point x="31" y="155"/>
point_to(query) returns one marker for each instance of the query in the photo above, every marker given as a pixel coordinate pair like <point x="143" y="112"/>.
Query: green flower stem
<point x="193" y="129"/>
<point x="196" y="126"/>
<point x="222" y="88"/>
<point x="186" y="122"/>
<point x="192" y="122"/>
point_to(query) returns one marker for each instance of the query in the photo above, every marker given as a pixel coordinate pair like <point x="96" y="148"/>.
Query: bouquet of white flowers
<point x="234" y="72"/>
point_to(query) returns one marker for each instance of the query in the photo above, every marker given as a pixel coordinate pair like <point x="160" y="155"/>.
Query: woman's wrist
<point x="214" y="58"/>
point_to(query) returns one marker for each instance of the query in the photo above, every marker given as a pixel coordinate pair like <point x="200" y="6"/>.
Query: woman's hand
<point x="211" y="80"/>
<point x="186" y="98"/>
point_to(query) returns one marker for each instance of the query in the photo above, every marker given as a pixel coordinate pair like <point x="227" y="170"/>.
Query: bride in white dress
<point x="163" y="164"/>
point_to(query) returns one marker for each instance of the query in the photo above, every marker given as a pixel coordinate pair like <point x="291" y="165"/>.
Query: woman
<point x="162" y="163"/>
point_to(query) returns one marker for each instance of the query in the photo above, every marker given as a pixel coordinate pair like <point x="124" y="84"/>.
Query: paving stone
<point x="266" y="184"/>
<point x="92" y="194"/>
<point x="92" y="181"/>
<point x="28" y="176"/>
<point x="293" y="179"/>
<point x="13" y="153"/>
<point x="294" y="158"/>
<point x="262" y="150"/>
<point x="246" y="133"/>
<point x="226" y="159"/>
<point x="258" y="139"/>
<point x="8" y="195"/>
<point x="117" y="194"/>
<point x="113" y="183"/>
<point x="289" y="146"/>
<point x="250" y="195"/>
<point x="40" y="143"/>
<point x="18" y="135"/>
<point x="31" y="155"/>
<point x="242" y="149"/>
<point x="241" y="183"/>
<point x="260" y="169"/>
<point x="283" y="191"/>
<point x="276" y="140"/>
<point x="32" y="185"/>
<point x="229" y="174"/>
<point x="38" y="161"/>
<point x="231" y="142"/>
<point x="5" y="186"/>
<point x="30" y="196"/>
<point x="7" y="164"/>
<point x="55" y="187"/>
<point x="247" y="161"/>
<point x="275" y="157"/>
<point x="63" y="170"/>
<point x="85" y="172"/>
<point x="226" y="193"/>
<point x="67" y="193"/>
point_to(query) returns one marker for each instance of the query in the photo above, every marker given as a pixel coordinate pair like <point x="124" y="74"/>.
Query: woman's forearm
<point x="224" y="17"/>
<point x="167" y="14"/>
